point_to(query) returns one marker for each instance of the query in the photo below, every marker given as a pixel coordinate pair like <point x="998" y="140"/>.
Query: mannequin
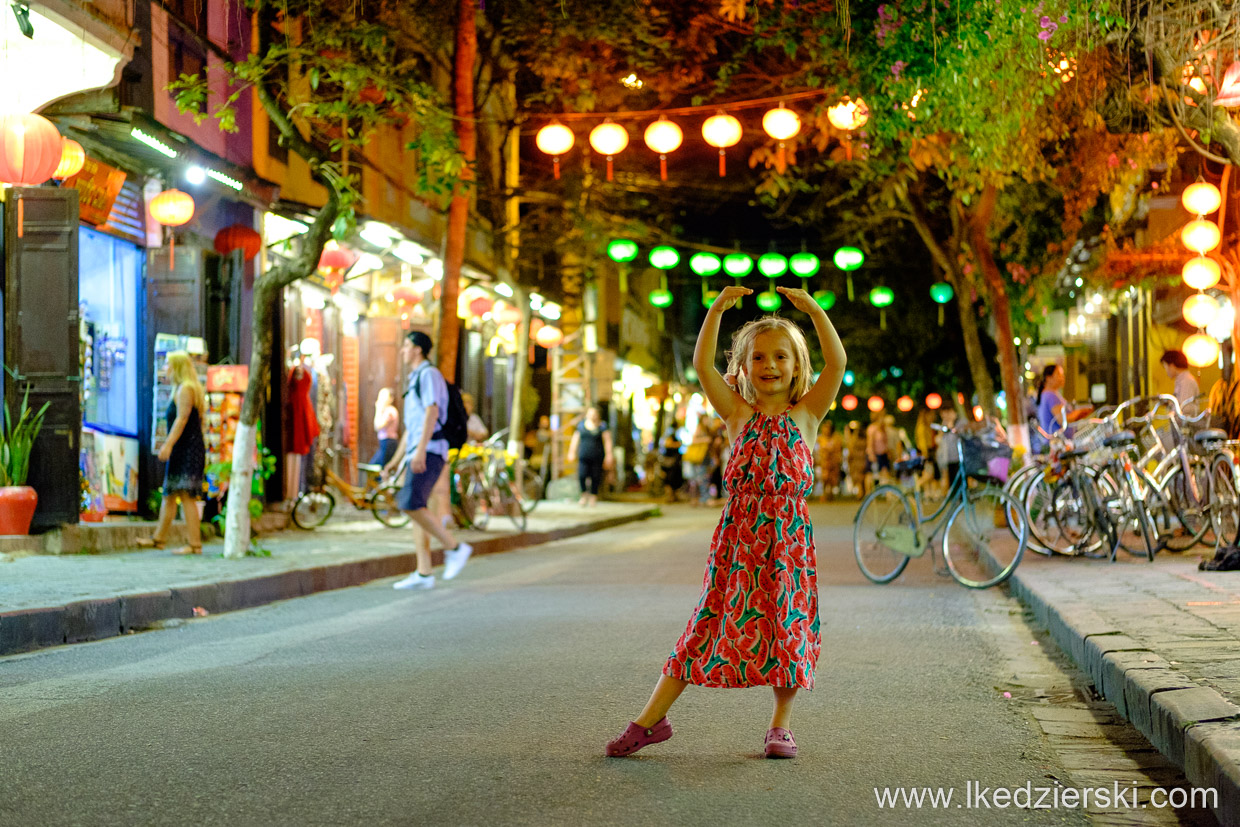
<point x="325" y="409"/>
<point x="302" y="423"/>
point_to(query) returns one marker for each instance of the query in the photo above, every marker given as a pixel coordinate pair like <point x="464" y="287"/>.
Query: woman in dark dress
<point x="184" y="452"/>
<point x="592" y="448"/>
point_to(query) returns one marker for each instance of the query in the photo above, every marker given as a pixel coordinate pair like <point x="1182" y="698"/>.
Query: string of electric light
<point x="663" y="136"/>
<point x="1201" y="273"/>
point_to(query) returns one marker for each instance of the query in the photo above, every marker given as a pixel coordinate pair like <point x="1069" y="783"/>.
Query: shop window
<point x="190" y="13"/>
<point x="109" y="272"/>
<point x="184" y="58"/>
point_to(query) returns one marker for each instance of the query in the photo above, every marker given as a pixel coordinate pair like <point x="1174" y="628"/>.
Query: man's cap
<point x="420" y="339"/>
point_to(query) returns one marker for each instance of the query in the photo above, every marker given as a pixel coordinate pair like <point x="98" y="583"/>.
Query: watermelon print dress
<point x="756" y="623"/>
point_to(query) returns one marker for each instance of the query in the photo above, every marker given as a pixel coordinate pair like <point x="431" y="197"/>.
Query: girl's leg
<point x="782" y="716"/>
<point x="666" y="691"/>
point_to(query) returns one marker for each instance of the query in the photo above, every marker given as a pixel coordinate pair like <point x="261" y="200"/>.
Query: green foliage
<point x="17" y="440"/>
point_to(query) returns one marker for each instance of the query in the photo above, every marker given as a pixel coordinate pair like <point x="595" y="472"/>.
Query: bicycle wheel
<point x="1075" y="518"/>
<point x="533" y="489"/>
<point x="507" y="496"/>
<point x="469" y="504"/>
<point x="981" y="545"/>
<point x="1191" y="511"/>
<point x="313" y="508"/>
<point x="1225" y="504"/>
<point x="1142" y="516"/>
<point x="884" y="516"/>
<point x="382" y="502"/>
<point x="1044" y="535"/>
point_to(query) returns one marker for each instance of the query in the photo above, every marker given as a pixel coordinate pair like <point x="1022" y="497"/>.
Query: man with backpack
<point x="428" y="410"/>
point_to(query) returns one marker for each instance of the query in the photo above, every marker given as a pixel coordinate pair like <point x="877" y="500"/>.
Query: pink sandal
<point x="635" y="737"/>
<point x="779" y="743"/>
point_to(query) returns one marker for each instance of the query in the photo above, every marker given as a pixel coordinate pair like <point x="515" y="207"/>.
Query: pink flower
<point x="1045" y="34"/>
<point x="1045" y="21"/>
<point x="1112" y="160"/>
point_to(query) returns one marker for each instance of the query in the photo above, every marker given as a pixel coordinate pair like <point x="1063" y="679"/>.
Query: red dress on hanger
<point x="303" y="424"/>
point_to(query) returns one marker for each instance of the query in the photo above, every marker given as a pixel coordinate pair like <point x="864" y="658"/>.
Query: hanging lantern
<point x="404" y="294"/>
<point x="549" y="336"/>
<point x="737" y="265"/>
<point x="1200" y="236"/>
<point x="941" y="293"/>
<point x="334" y="258"/>
<point x="769" y="301"/>
<point x="934" y="401"/>
<point x="804" y="264"/>
<point x="172" y="208"/>
<point x="772" y="265"/>
<point x="660" y="297"/>
<point x="505" y="314"/>
<point x="72" y="159"/>
<point x="609" y="139"/>
<point x="881" y="297"/>
<point x="1200" y="309"/>
<point x="1200" y="350"/>
<point x="622" y="250"/>
<point x="238" y="237"/>
<point x="875" y="403"/>
<point x="905" y="404"/>
<point x="1201" y="198"/>
<point x="705" y="264"/>
<point x="781" y="124"/>
<point x="721" y="131"/>
<point x="664" y="258"/>
<point x="708" y="297"/>
<point x="849" y="402"/>
<point x="825" y="299"/>
<point x="848" y="259"/>
<point x="555" y="139"/>
<point x="30" y="150"/>
<point x="1201" y="273"/>
<point x="480" y="306"/>
<point x="663" y="137"/>
<point x="848" y="115"/>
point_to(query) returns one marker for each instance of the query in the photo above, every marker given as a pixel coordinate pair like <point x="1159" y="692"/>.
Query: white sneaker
<point x="454" y="559"/>
<point x="416" y="581"/>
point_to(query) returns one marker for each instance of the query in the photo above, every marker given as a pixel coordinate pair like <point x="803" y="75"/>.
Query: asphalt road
<point x="488" y="700"/>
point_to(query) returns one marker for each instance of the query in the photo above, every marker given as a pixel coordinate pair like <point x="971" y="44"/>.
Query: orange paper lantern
<point x="172" y="208"/>
<point x="480" y="306"/>
<point x="875" y="403"/>
<point x="934" y="401"/>
<point x="1200" y="350"/>
<point x="721" y="131"/>
<point x="1201" y="273"/>
<point x="905" y="403"/>
<point x="849" y="403"/>
<point x="663" y="137"/>
<point x="1201" y="198"/>
<point x="609" y="139"/>
<point x="30" y="149"/>
<point x="72" y="159"/>
<point x="555" y="139"/>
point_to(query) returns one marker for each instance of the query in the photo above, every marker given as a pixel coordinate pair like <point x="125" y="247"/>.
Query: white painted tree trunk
<point x="237" y="520"/>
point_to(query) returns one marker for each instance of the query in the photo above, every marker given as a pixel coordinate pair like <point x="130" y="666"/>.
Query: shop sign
<point x="98" y="185"/>
<point x="228" y="378"/>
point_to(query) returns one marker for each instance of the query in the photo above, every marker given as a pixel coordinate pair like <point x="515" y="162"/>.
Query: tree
<point x="326" y="79"/>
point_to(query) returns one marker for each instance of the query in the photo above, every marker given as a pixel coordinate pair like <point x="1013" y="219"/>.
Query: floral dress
<point x="756" y="622"/>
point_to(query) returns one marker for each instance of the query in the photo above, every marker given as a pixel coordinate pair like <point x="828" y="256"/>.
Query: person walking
<point x="591" y="447"/>
<point x="426" y="410"/>
<point x="756" y="622"/>
<point x="697" y="455"/>
<point x="185" y="453"/>
<point x="855" y="448"/>
<point x="387" y="427"/>
<point x="830" y="456"/>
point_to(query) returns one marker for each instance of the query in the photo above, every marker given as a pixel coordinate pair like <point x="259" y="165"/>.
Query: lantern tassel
<point x="882" y="320"/>
<point x="608" y="167"/>
<point x="848" y="279"/>
<point x="555" y="166"/>
<point x="848" y="150"/>
<point x="723" y="164"/>
<point x="940" y="315"/>
<point x="781" y="163"/>
<point x="172" y="252"/>
<point x="21" y="215"/>
<point x="662" y="167"/>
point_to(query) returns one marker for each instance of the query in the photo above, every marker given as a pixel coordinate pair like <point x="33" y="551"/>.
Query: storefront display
<point x="110" y="466"/>
<point x="226" y="386"/>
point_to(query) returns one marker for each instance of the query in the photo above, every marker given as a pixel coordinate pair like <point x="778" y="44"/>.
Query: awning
<point x="68" y="52"/>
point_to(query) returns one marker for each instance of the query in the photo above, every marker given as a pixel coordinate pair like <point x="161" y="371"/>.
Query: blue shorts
<point x="416" y="492"/>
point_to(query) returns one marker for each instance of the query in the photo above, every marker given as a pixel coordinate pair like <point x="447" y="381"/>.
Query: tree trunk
<point x="458" y="209"/>
<point x="1000" y="307"/>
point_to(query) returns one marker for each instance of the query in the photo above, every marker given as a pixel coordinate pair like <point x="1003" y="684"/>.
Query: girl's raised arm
<point x="721" y="395"/>
<point x="817" y="401"/>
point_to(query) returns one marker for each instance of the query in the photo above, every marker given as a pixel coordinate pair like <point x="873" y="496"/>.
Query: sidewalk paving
<point x="51" y="600"/>
<point x="1161" y="641"/>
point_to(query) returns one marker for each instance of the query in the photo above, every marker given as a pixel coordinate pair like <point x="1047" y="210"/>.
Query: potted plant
<point x="18" y="500"/>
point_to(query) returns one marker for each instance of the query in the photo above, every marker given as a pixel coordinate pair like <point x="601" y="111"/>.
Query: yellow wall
<point x="1162" y="336"/>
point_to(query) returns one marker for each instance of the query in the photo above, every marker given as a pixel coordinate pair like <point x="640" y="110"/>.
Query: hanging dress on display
<point x="303" y="424"/>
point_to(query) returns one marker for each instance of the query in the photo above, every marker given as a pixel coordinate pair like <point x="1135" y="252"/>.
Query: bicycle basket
<point x="1088" y="437"/>
<point x="979" y="451"/>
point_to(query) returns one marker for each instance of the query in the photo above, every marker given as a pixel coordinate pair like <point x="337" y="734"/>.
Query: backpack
<point x="1227" y="558"/>
<point x="455" y="427"/>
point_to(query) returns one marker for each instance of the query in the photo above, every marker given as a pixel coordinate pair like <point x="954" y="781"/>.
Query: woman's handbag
<point x="695" y="454"/>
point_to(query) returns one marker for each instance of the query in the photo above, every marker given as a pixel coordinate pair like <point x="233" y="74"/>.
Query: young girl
<point x="387" y="427"/>
<point x="756" y="622"/>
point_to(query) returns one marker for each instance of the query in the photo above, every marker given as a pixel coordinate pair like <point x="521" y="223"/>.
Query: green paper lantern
<point x="848" y="258"/>
<point x="708" y="298"/>
<point x="660" y="297"/>
<point x="825" y="299"/>
<point x="941" y="292"/>
<point x="737" y="265"/>
<point x="705" y="264"/>
<point x="882" y="297"/>
<point x="772" y="265"/>
<point x="622" y="250"/>
<point x="664" y="258"/>
<point x="804" y="264"/>
<point x="769" y="301"/>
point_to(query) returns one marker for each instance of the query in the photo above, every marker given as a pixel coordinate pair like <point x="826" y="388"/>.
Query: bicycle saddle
<point x="1121" y="438"/>
<point x="1212" y="435"/>
<point x="908" y="466"/>
<point x="1073" y="454"/>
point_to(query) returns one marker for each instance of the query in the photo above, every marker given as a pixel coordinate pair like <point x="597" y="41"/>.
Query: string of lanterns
<point x="1201" y="273"/>
<point x="720" y="130"/>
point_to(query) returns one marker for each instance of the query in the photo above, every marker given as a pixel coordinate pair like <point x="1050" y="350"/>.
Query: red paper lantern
<point x="849" y="403"/>
<point x="480" y="306"/>
<point x="30" y="149"/>
<point x="172" y="208"/>
<point x="905" y="404"/>
<point x="934" y="401"/>
<point x="404" y="294"/>
<point x="238" y="237"/>
<point x="335" y="259"/>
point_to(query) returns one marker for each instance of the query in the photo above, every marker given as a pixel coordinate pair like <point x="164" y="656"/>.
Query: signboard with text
<point x="98" y="185"/>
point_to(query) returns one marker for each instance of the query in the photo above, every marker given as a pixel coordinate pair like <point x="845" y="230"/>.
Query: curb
<point x="1194" y="726"/>
<point x="96" y="619"/>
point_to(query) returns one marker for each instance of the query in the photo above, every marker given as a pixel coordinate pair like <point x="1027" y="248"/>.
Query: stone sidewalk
<point x="52" y="600"/>
<point x="1161" y="641"/>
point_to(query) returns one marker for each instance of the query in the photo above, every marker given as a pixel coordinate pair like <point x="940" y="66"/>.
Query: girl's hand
<point x="801" y="300"/>
<point x="165" y="451"/>
<point x="728" y="296"/>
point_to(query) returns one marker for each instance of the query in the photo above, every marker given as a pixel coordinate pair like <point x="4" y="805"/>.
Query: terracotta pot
<point x="17" y="504"/>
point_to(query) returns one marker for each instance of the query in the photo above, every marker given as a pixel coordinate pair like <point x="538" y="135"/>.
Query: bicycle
<point x="484" y="486"/>
<point x="984" y="528"/>
<point x="377" y="496"/>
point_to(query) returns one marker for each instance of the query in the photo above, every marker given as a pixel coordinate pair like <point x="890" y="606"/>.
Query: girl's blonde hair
<point x="184" y="373"/>
<point x="742" y="350"/>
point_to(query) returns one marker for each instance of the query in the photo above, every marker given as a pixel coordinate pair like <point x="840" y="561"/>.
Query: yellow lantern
<point x="781" y="124"/>
<point x="609" y="139"/>
<point x="849" y="114"/>
<point x="549" y="336"/>
<point x="663" y="137"/>
<point x="72" y="159"/>
<point x="1201" y="273"/>
<point x="1200" y="350"/>
<point x="1200" y="236"/>
<point x="1200" y="309"/>
<point x="721" y="131"/>
<point x="555" y="139"/>
<point x="1201" y="198"/>
<point x="172" y="208"/>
